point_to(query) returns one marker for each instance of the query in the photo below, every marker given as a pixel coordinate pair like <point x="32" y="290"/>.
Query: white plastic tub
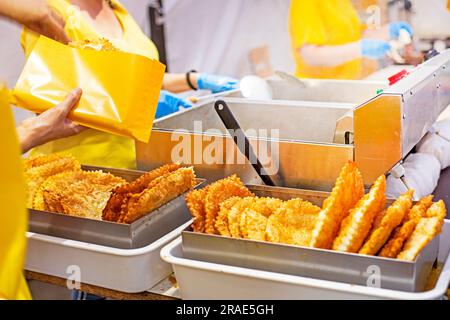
<point x="203" y="280"/>
<point x="127" y="270"/>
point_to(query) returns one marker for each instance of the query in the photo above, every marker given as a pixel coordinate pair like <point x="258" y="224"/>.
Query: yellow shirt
<point x="324" y="22"/>
<point x="94" y="147"/>
<point x="13" y="214"/>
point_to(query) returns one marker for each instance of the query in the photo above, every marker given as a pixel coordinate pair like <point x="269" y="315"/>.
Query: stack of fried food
<point x="56" y="183"/>
<point x="349" y="220"/>
<point x="228" y="208"/>
<point x="134" y="200"/>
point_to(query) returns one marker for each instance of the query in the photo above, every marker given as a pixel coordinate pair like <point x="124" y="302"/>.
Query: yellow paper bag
<point x="120" y="90"/>
<point x="13" y="215"/>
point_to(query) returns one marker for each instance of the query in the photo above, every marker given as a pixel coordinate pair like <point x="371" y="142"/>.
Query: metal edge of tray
<point x="118" y="235"/>
<point x="311" y="262"/>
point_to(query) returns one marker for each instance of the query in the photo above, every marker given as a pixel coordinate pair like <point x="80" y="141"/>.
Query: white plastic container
<point x="203" y="280"/>
<point x="127" y="270"/>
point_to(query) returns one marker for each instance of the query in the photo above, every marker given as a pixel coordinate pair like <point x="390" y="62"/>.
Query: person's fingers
<point x="76" y="128"/>
<point x="57" y="28"/>
<point x="70" y="102"/>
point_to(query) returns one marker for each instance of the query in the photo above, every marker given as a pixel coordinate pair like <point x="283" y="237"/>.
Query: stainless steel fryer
<point x="311" y="262"/>
<point x="321" y="127"/>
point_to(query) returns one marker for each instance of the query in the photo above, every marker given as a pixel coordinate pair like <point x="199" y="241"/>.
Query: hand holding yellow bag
<point x="120" y="90"/>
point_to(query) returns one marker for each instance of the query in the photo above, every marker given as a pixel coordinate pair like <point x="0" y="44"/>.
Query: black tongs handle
<point x="238" y="134"/>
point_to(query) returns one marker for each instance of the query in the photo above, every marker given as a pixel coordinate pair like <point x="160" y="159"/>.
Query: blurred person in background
<point x="93" y="19"/>
<point x="52" y="124"/>
<point x="329" y="40"/>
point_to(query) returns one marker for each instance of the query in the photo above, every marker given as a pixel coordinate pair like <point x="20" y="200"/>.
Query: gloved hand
<point x="169" y="103"/>
<point x="374" y="49"/>
<point x="395" y="27"/>
<point x="216" y="83"/>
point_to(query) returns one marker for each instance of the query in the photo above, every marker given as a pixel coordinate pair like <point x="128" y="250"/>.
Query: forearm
<point x="330" y="56"/>
<point x="381" y="33"/>
<point x="30" y="135"/>
<point x="176" y="82"/>
<point x="25" y="12"/>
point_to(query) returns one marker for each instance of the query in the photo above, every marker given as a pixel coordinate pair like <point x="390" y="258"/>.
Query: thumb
<point x="70" y="102"/>
<point x="76" y="128"/>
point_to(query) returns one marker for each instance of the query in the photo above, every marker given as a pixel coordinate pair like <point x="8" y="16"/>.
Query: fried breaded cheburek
<point x="349" y="188"/>
<point x="121" y="194"/>
<point x="424" y="232"/>
<point x="160" y="191"/>
<point x="42" y="167"/>
<point x="356" y="226"/>
<point x="218" y="192"/>
<point x="253" y="219"/>
<point x="386" y="222"/>
<point x="419" y="210"/>
<point x="293" y="223"/>
<point x="195" y="201"/>
<point x="395" y="244"/>
<point x="41" y="159"/>
<point x="222" y="217"/>
<point x="234" y="214"/>
<point x="82" y="193"/>
<point x="253" y="225"/>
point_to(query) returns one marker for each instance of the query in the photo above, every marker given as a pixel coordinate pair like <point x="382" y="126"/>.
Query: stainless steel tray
<point x="310" y="262"/>
<point x="117" y="235"/>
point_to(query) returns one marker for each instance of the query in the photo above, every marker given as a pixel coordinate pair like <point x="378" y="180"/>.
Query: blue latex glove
<point x="216" y="83"/>
<point x="169" y="103"/>
<point x="395" y="27"/>
<point x="374" y="49"/>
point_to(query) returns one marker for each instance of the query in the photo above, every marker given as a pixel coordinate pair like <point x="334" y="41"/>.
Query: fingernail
<point x="77" y="91"/>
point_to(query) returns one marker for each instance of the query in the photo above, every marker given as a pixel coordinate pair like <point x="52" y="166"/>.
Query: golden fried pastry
<point x="253" y="219"/>
<point x="395" y="244"/>
<point x="41" y="159"/>
<point x="218" y="192"/>
<point x="419" y="210"/>
<point x="252" y="225"/>
<point x="386" y="223"/>
<point x="349" y="188"/>
<point x="36" y="175"/>
<point x="52" y="185"/>
<point x="437" y="210"/>
<point x="164" y="189"/>
<point x="393" y="247"/>
<point x="424" y="232"/>
<point x="234" y="215"/>
<point x="120" y="195"/>
<point x="293" y="223"/>
<point x="356" y="226"/>
<point x="195" y="201"/>
<point x="221" y="223"/>
<point x="82" y="193"/>
<point x="133" y="198"/>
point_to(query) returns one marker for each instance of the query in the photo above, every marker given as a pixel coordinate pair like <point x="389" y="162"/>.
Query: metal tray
<point x="138" y="234"/>
<point x="310" y="262"/>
